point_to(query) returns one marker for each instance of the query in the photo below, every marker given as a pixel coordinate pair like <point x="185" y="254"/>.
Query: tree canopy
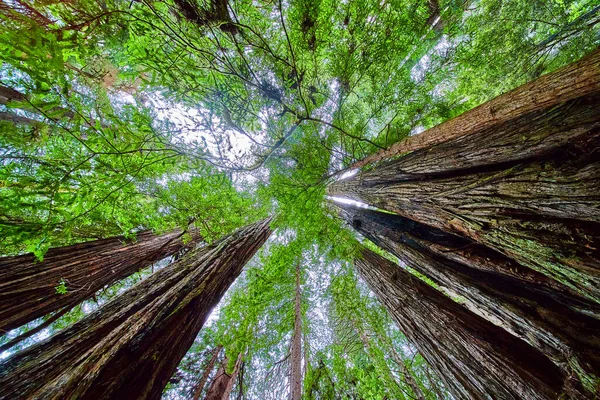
<point x="122" y="116"/>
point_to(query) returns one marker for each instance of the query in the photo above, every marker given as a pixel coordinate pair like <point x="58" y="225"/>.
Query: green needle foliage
<point x="117" y="116"/>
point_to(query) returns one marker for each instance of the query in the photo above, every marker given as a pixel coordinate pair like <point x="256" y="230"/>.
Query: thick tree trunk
<point x="571" y="82"/>
<point x="296" y="350"/>
<point x="528" y="187"/>
<point x="219" y="383"/>
<point x="28" y="286"/>
<point x="549" y="317"/>
<point x="475" y="358"/>
<point x="197" y="391"/>
<point x="129" y="348"/>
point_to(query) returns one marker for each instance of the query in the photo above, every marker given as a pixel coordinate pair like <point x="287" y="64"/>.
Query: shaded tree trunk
<point x="28" y="286"/>
<point x="296" y="350"/>
<point x="197" y="391"/>
<point x="549" y="317"/>
<point x="219" y="383"/>
<point x="528" y="187"/>
<point x="130" y="347"/>
<point x="475" y="358"/>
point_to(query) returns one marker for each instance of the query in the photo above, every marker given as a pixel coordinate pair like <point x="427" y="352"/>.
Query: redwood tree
<point x="28" y="287"/>
<point x="197" y="390"/>
<point x="130" y="347"/>
<point x="475" y="358"/>
<point x="528" y="304"/>
<point x="523" y="179"/>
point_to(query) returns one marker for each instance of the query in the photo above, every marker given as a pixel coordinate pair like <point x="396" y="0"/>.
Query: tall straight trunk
<point x="219" y="383"/>
<point x="234" y="375"/>
<point x="527" y="304"/>
<point x="528" y="187"/>
<point x="130" y="347"/>
<point x="296" y="350"/>
<point x="197" y="391"/>
<point x="28" y="286"/>
<point x="475" y="358"/>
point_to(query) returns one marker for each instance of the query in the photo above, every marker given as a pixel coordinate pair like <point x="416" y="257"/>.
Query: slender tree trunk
<point x="406" y="373"/>
<point x="475" y="358"/>
<point x="130" y="347"/>
<point x="296" y="359"/>
<point x="219" y="383"/>
<point x="234" y="375"/>
<point x="434" y="384"/>
<point x="571" y="82"/>
<point x="550" y="318"/>
<point x="367" y="345"/>
<point x="197" y="391"/>
<point x="528" y="187"/>
<point x="28" y="286"/>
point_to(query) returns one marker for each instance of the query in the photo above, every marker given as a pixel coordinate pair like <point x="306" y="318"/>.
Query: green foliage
<point x="135" y="115"/>
<point x="61" y="288"/>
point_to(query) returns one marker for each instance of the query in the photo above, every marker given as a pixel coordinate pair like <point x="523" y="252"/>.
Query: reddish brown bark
<point x="549" y="317"/>
<point x="28" y="286"/>
<point x="129" y="348"/>
<point x="197" y="391"/>
<point x="568" y="83"/>
<point x="529" y="188"/>
<point x="475" y="358"/>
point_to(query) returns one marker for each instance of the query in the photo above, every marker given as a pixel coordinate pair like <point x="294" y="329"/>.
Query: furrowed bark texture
<point x="573" y="81"/>
<point x="296" y="350"/>
<point x="129" y="348"/>
<point x="211" y="364"/>
<point x="475" y="358"/>
<point x="523" y="302"/>
<point x="27" y="286"/>
<point x="528" y="187"/>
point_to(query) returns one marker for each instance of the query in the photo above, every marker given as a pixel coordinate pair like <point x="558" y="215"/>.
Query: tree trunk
<point x="28" y="287"/>
<point x="475" y="358"/>
<point x="219" y="383"/>
<point x="197" y="391"/>
<point x="234" y="375"/>
<point x="525" y="303"/>
<point x="406" y="373"/>
<point x="130" y="347"/>
<point x="386" y="370"/>
<point x="571" y="82"/>
<point x="296" y="350"/>
<point x="528" y="188"/>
